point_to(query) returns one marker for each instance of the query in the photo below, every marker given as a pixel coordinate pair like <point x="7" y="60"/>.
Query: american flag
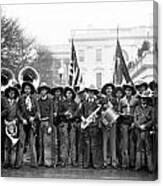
<point x="75" y="76"/>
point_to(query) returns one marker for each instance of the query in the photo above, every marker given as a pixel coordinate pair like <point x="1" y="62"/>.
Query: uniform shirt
<point x="111" y="102"/>
<point x="127" y="106"/>
<point x="88" y="107"/>
<point x="144" y="116"/>
<point x="46" y="108"/>
<point x="22" y="109"/>
<point x="57" y="104"/>
<point x="9" y="109"/>
<point x="72" y="107"/>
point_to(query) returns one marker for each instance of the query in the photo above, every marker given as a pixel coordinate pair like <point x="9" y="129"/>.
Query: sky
<point x="51" y="24"/>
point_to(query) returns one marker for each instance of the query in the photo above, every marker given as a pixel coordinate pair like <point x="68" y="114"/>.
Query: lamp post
<point x="60" y="72"/>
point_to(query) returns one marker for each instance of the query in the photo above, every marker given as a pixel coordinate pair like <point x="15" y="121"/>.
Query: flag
<point x="120" y="70"/>
<point x="75" y="76"/>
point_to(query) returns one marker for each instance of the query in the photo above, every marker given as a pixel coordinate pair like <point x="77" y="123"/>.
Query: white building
<point x="96" y="51"/>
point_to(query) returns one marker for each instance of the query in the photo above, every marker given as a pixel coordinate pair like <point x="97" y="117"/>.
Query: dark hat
<point x="27" y="83"/>
<point x="18" y="86"/>
<point x="54" y="89"/>
<point x="141" y="84"/>
<point x="105" y="87"/>
<point x="11" y="88"/>
<point x="43" y="85"/>
<point x="145" y="95"/>
<point x="119" y="88"/>
<point x="69" y="89"/>
<point x="129" y="85"/>
<point x="92" y="88"/>
<point x="76" y="88"/>
<point x="153" y="85"/>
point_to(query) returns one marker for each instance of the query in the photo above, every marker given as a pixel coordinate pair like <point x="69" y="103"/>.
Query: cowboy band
<point x="61" y="126"/>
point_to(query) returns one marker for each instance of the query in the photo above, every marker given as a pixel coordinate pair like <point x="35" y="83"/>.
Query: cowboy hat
<point x="72" y="91"/>
<point x="153" y="85"/>
<point x="105" y="87"/>
<point x="141" y="83"/>
<point x="119" y="88"/>
<point x="42" y="86"/>
<point x="145" y="95"/>
<point x="129" y="85"/>
<point x="11" y="88"/>
<point x="92" y="88"/>
<point x="54" y="89"/>
<point x="27" y="83"/>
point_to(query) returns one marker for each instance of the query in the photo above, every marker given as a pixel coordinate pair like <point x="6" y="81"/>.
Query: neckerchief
<point x="28" y="103"/>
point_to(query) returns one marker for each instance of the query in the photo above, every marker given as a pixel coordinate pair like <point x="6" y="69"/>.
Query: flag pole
<point x="117" y="32"/>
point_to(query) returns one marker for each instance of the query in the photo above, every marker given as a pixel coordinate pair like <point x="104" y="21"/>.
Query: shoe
<point x="63" y="164"/>
<point x="34" y="166"/>
<point x="137" y="169"/>
<point x="105" y="165"/>
<point x="75" y="164"/>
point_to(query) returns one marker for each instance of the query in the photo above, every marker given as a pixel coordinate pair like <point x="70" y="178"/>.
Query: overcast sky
<point x="51" y="23"/>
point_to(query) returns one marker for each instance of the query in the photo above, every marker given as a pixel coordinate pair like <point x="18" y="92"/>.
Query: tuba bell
<point x="28" y="73"/>
<point x="7" y="78"/>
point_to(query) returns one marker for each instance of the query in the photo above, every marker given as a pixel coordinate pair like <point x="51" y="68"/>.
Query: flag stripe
<point x="75" y="77"/>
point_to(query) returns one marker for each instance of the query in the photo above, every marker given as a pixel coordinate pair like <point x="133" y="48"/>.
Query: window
<point x="98" y="79"/>
<point x="99" y="55"/>
<point x="81" y="55"/>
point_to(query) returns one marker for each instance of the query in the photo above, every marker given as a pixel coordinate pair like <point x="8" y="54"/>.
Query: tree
<point x="14" y="45"/>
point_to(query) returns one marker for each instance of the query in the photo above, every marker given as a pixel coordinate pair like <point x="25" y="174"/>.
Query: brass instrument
<point x="7" y="78"/>
<point x="87" y="121"/>
<point x="28" y="73"/>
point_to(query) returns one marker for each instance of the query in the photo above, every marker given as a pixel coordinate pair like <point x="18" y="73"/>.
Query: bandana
<point x="28" y="103"/>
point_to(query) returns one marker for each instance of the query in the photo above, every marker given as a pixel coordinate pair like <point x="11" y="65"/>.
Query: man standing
<point x="29" y="114"/>
<point x="47" y="132"/>
<point x="143" y="121"/>
<point x="127" y="106"/>
<point x="109" y="133"/>
<point x="57" y="93"/>
<point x="68" y="128"/>
<point x="11" y="126"/>
<point x="92" y="135"/>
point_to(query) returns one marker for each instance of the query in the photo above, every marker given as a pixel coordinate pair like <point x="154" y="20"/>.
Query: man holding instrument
<point x="92" y="135"/>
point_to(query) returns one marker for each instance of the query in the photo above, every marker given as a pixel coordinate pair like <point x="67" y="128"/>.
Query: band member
<point x="141" y="87"/>
<point x="67" y="129"/>
<point x="3" y="115"/>
<point x="154" y="132"/>
<point x="92" y="135"/>
<point x="80" y="138"/>
<point x="119" y="94"/>
<point x="127" y="106"/>
<point x="109" y="132"/>
<point x="28" y="114"/>
<point x="47" y="132"/>
<point x="10" y="121"/>
<point x="57" y="93"/>
<point x="143" y="121"/>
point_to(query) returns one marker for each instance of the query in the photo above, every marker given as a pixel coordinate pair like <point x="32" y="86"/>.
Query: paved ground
<point x="75" y="173"/>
